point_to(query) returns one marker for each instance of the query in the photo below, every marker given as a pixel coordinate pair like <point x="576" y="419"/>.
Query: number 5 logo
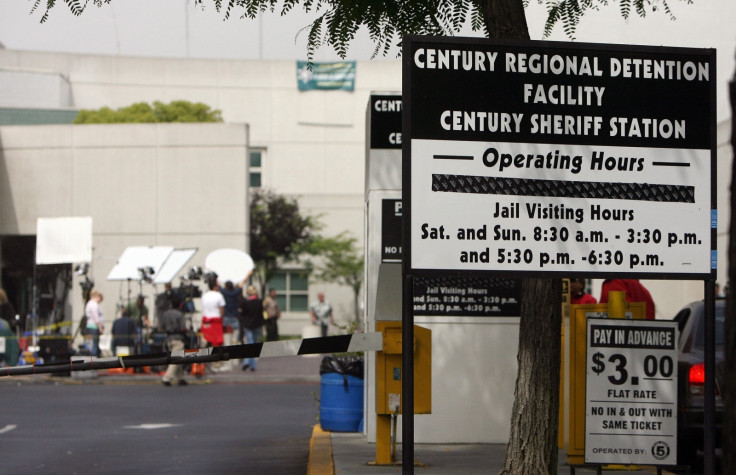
<point x="660" y="450"/>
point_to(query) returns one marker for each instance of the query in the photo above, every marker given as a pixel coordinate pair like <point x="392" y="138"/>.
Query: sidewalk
<point x="352" y="454"/>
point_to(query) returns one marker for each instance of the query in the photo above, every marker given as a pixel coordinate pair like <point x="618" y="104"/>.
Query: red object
<point x="697" y="374"/>
<point x="696" y="379"/>
<point x="197" y="369"/>
<point x="635" y="292"/>
<point x="212" y="330"/>
<point x="582" y="299"/>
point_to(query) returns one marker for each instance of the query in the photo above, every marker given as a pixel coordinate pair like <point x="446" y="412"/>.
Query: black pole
<point x="407" y="380"/>
<point x="709" y="448"/>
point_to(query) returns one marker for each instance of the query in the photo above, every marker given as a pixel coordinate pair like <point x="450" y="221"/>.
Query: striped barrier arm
<point x="307" y="346"/>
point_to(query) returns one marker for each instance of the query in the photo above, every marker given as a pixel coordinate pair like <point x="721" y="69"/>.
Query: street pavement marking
<point x="8" y="428"/>
<point x="320" y="453"/>
<point x="153" y="426"/>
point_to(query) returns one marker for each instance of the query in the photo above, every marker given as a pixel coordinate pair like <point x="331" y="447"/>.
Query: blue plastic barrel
<point x="341" y="402"/>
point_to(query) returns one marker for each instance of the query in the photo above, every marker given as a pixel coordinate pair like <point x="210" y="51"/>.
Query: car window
<point x="681" y="318"/>
<point x="720" y="327"/>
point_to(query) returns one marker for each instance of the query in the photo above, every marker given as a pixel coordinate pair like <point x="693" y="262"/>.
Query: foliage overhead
<point x="278" y="231"/>
<point x="341" y="263"/>
<point x="387" y="21"/>
<point x="141" y="112"/>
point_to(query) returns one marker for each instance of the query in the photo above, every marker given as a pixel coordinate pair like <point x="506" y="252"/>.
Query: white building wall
<point x="34" y="89"/>
<point x="178" y="185"/>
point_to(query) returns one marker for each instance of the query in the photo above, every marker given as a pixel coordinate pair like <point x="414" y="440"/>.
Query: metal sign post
<point x="709" y="443"/>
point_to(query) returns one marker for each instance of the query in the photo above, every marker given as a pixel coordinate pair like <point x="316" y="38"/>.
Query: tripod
<point x="86" y="285"/>
<point x="196" y="369"/>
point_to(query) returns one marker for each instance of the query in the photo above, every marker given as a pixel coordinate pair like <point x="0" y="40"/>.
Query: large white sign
<point x="63" y="240"/>
<point x="631" y="392"/>
<point x="136" y="258"/>
<point x="555" y="157"/>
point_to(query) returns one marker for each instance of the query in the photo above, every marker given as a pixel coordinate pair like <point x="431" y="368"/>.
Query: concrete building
<point x="305" y="144"/>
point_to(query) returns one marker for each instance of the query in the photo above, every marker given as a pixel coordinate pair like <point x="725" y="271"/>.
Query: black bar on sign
<point x="453" y="157"/>
<point x="562" y="188"/>
<point x="670" y="164"/>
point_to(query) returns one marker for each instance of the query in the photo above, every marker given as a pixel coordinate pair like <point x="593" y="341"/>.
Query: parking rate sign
<point x="631" y="392"/>
<point x="559" y="158"/>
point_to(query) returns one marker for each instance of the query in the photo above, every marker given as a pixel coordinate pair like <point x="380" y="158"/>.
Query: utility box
<point x="388" y="370"/>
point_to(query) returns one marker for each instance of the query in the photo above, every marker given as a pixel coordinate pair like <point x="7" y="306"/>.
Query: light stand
<point x="87" y="284"/>
<point x="145" y="274"/>
<point x="194" y="274"/>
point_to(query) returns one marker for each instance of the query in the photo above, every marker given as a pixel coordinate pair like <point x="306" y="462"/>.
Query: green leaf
<point x="141" y="112"/>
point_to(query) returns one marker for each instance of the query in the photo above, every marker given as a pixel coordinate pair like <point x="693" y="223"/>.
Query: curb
<point x="320" y="453"/>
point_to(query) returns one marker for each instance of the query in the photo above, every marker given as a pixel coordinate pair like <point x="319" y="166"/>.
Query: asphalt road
<point x="121" y="428"/>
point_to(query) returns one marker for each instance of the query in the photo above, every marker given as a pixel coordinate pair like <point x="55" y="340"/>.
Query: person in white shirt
<point x="321" y="313"/>
<point x="213" y="309"/>
<point x="95" y="326"/>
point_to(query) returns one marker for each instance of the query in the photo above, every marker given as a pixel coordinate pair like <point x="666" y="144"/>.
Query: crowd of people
<point x="228" y="316"/>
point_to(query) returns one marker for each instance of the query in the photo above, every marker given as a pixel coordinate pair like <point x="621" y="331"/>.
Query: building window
<point x="255" y="163"/>
<point x="292" y="290"/>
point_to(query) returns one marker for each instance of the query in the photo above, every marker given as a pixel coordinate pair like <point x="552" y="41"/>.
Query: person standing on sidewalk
<point x="124" y="333"/>
<point x="233" y="293"/>
<point x="273" y="313"/>
<point x="138" y="312"/>
<point x="213" y="309"/>
<point x="321" y="313"/>
<point x="95" y="327"/>
<point x="173" y="323"/>
<point x="578" y="295"/>
<point x="251" y="315"/>
<point x="635" y="292"/>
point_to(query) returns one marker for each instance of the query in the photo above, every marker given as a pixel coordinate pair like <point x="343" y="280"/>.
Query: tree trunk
<point x="532" y="446"/>
<point x="729" y="378"/>
<point x="504" y="19"/>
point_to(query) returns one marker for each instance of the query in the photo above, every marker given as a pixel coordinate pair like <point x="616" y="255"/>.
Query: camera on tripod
<point x="145" y="274"/>
<point x="195" y="273"/>
<point x="87" y="284"/>
<point x="209" y="277"/>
